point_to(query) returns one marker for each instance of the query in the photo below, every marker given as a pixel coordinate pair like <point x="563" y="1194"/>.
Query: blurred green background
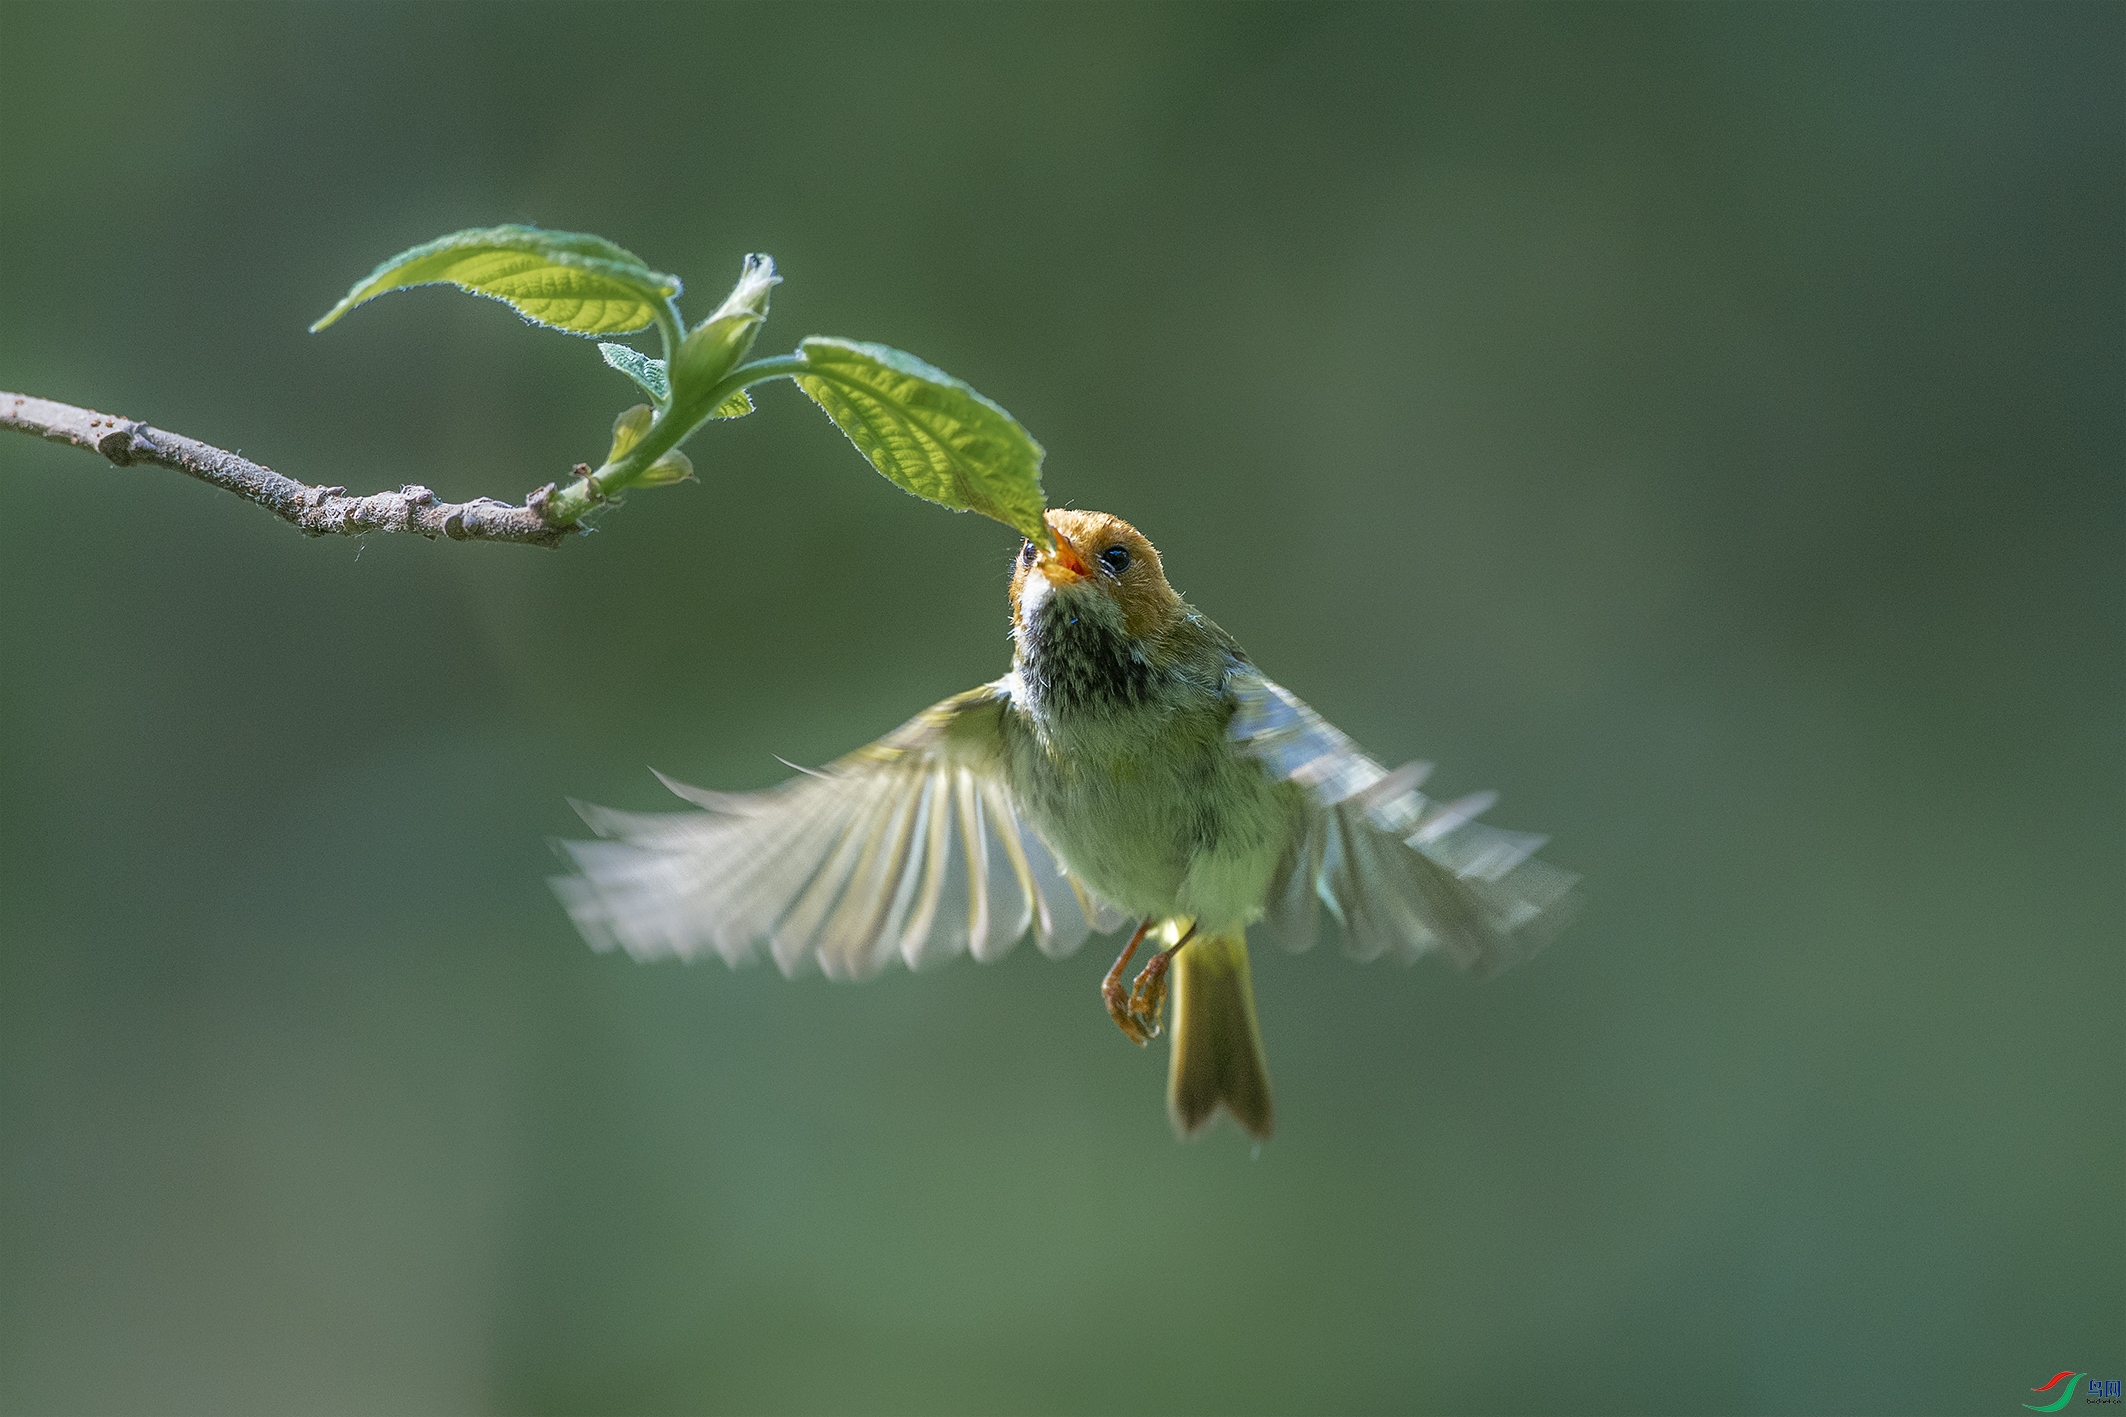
<point x="1702" y="424"/>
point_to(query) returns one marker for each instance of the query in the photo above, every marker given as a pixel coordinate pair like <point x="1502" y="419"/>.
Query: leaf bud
<point x="726" y="337"/>
<point x="628" y="429"/>
<point x="673" y="467"/>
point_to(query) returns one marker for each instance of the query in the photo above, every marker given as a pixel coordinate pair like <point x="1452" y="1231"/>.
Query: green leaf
<point x="562" y="279"/>
<point x="927" y="431"/>
<point x="737" y="405"/>
<point x="647" y="372"/>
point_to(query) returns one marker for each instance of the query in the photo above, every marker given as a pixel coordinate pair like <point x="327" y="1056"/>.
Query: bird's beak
<point x="1065" y="558"/>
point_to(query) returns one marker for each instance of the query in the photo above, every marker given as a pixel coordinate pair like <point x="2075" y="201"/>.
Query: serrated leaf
<point x="645" y="371"/>
<point x="927" y="431"/>
<point x="628" y="429"/>
<point x="566" y="280"/>
<point x="673" y="467"/>
<point x="737" y="405"/>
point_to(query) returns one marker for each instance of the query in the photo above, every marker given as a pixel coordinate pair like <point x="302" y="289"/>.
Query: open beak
<point x="1065" y="557"/>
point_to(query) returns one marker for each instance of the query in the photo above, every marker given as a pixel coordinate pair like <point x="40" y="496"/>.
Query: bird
<point x="1132" y="766"/>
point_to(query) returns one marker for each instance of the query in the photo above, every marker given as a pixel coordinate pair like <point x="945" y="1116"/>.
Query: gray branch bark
<point x="319" y="511"/>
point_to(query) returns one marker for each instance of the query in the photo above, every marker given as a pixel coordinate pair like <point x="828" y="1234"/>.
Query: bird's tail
<point x="1217" y="1049"/>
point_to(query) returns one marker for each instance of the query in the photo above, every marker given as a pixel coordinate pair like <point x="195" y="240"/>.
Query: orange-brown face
<point x="1103" y="555"/>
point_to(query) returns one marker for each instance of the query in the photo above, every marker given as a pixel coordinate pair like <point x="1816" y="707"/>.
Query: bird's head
<point x="1102" y="573"/>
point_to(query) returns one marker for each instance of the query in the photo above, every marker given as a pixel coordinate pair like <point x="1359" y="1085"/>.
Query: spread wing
<point x="1400" y="872"/>
<point x="908" y="849"/>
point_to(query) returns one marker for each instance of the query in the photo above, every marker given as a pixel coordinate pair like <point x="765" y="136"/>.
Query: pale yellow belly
<point x="1180" y="826"/>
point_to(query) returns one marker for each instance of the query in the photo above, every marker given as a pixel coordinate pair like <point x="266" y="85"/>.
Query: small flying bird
<point x="1134" y="765"/>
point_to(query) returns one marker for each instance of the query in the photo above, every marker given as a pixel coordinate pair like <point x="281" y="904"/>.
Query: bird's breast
<point x="1152" y="808"/>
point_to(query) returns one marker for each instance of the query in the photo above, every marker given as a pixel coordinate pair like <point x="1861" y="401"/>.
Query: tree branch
<point x="319" y="511"/>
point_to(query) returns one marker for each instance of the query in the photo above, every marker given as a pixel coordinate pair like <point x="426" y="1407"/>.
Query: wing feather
<point x="1400" y="873"/>
<point x="909" y="849"/>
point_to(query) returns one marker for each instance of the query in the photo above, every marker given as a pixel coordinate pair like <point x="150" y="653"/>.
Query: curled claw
<point x="1147" y="997"/>
<point x="1135" y="1024"/>
<point x="1137" y="1012"/>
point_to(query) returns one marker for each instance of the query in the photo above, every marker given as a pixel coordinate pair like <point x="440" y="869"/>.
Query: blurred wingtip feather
<point x="1401" y="873"/>
<point x="909" y="849"/>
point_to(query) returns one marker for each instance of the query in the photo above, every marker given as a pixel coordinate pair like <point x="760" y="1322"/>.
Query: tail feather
<point x="1217" y="1049"/>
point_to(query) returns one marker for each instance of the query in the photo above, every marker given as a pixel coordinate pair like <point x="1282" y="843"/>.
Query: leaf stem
<point x="670" y="327"/>
<point x="758" y="371"/>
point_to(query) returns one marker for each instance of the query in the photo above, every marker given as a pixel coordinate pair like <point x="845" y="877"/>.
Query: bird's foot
<point x="1136" y="1012"/>
<point x="1138" y="1027"/>
<point x="1147" y="996"/>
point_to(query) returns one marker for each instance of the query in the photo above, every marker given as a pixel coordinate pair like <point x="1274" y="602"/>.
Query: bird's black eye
<point x="1026" y="553"/>
<point x="1116" y="559"/>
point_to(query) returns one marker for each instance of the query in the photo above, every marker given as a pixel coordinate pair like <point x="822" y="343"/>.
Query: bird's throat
<point x="1075" y="658"/>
